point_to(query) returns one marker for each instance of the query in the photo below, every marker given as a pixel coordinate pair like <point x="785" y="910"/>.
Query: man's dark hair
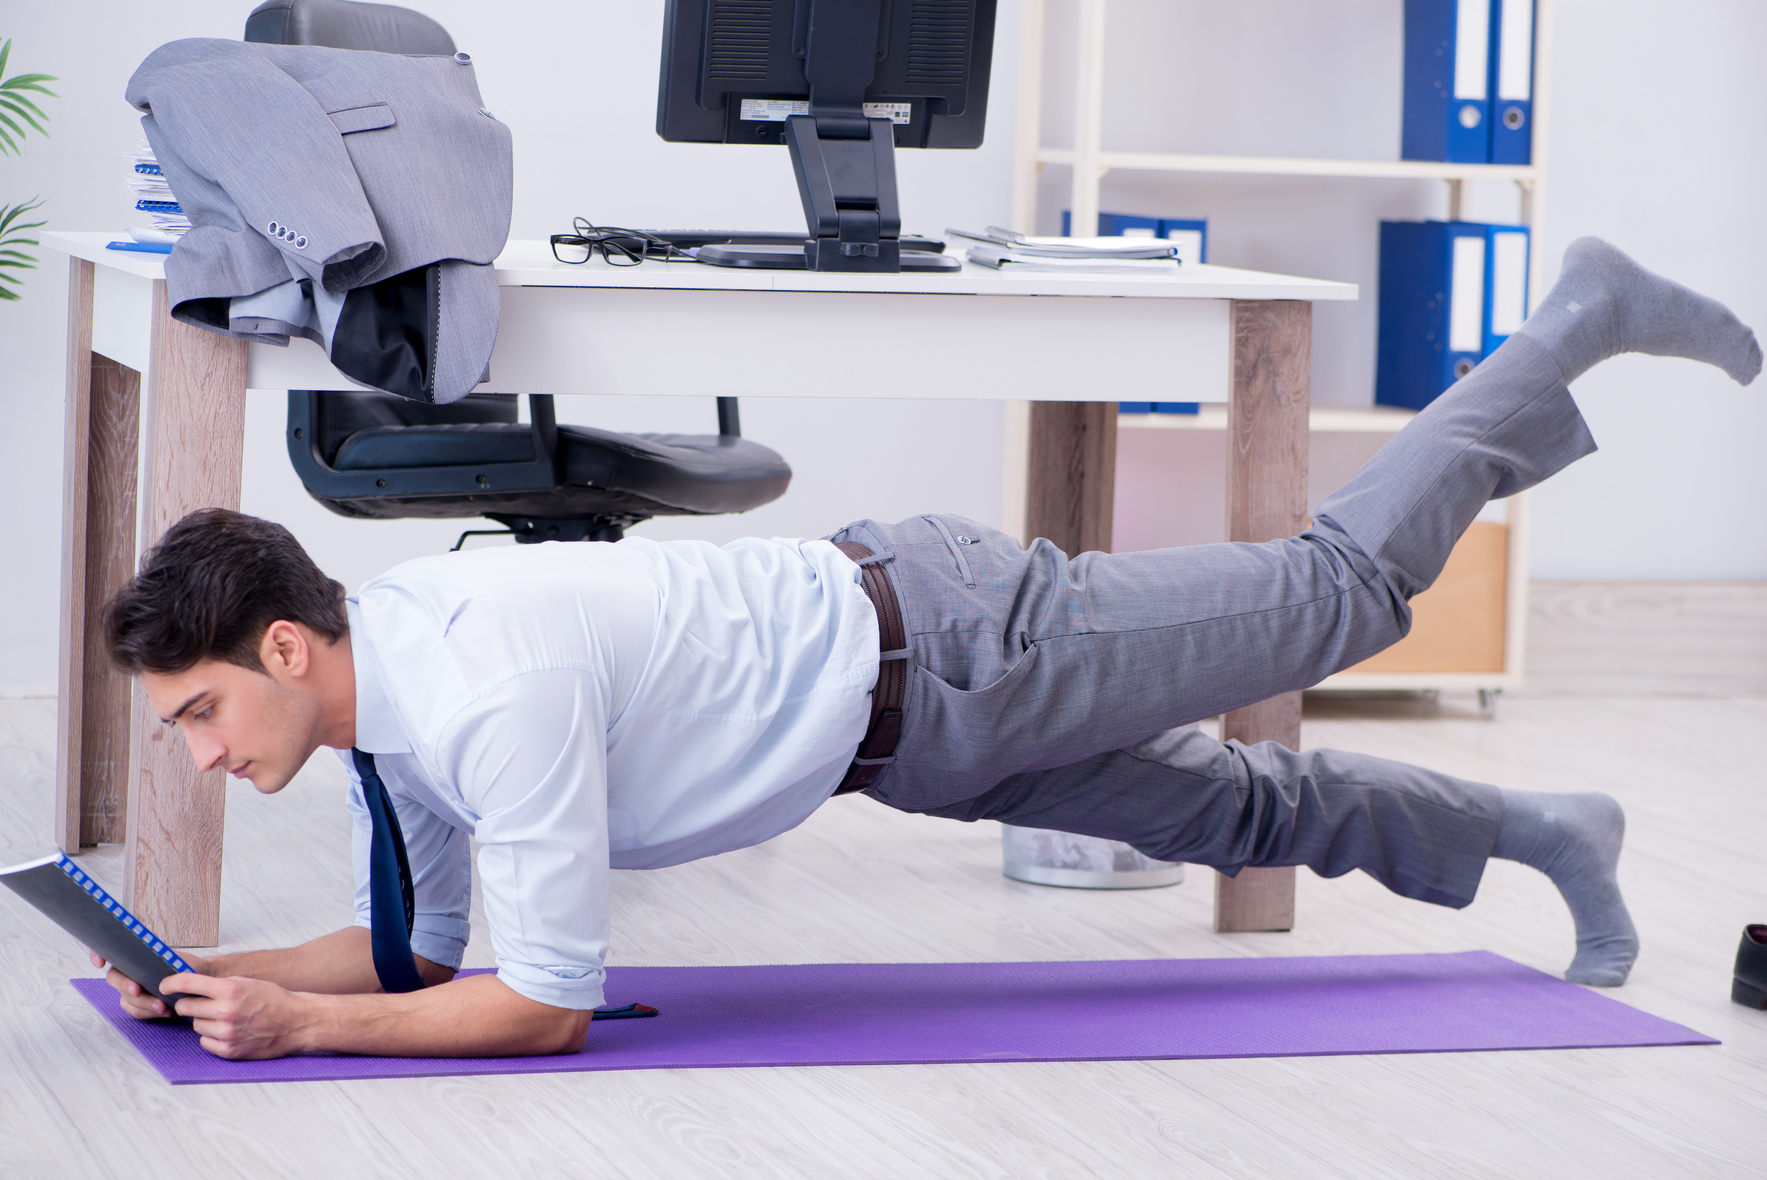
<point x="210" y="588"/>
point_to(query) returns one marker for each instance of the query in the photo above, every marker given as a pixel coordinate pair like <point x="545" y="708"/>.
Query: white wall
<point x="1654" y="142"/>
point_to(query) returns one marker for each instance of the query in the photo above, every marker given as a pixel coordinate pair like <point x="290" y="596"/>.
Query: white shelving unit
<point x="1090" y="162"/>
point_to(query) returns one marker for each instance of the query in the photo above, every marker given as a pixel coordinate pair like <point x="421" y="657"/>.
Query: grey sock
<point x="1575" y="840"/>
<point x="1604" y="304"/>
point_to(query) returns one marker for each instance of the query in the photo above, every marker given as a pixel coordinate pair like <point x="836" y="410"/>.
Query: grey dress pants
<point x="1047" y="692"/>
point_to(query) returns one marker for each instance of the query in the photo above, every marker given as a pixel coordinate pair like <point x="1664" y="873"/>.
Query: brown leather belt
<point x="879" y="747"/>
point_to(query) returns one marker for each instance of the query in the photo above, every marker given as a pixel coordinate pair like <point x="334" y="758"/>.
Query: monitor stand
<point x="792" y="257"/>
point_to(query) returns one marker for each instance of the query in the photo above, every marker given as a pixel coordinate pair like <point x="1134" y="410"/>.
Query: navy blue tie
<point x="392" y="905"/>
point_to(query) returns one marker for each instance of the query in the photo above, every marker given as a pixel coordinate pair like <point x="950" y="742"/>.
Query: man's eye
<point x="203" y="714"/>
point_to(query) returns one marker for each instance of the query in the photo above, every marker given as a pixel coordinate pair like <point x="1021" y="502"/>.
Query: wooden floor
<point x="861" y="883"/>
<point x="1660" y="639"/>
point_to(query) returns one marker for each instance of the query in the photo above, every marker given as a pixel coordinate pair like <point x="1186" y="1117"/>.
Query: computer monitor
<point x="842" y="83"/>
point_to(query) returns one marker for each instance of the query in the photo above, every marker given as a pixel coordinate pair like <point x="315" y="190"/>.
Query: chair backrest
<point x="344" y="24"/>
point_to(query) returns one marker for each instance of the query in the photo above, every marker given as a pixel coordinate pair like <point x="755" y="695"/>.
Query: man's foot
<point x="1604" y="304"/>
<point x="1575" y="840"/>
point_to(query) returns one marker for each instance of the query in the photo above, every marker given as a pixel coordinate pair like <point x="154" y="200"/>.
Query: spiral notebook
<point x="75" y="902"/>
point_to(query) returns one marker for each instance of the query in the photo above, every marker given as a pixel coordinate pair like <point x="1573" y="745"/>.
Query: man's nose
<point x="205" y="752"/>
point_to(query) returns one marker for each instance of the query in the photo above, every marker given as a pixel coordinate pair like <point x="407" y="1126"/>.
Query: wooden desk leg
<point x="1071" y="475"/>
<point x="97" y="556"/>
<point x="194" y="429"/>
<point x="1266" y="499"/>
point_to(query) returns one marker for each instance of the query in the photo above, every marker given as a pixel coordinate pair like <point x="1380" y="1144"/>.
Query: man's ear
<point x="284" y="648"/>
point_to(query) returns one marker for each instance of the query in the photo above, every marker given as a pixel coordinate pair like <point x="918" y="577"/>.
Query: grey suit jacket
<point x="358" y="197"/>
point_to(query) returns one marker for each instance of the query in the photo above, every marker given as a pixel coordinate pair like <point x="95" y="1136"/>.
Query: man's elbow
<point x="535" y="1028"/>
<point x="568" y="1033"/>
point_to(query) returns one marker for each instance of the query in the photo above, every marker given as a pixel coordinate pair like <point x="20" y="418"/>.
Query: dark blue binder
<point x="1179" y="228"/>
<point x="1512" y="81"/>
<point x="1432" y="308"/>
<point x="1117" y="225"/>
<point x="1447" y="81"/>
<point x="1112" y="225"/>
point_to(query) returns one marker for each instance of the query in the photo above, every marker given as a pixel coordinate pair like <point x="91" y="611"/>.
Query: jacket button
<point x="273" y="228"/>
<point x="301" y="242"/>
<point x="464" y="59"/>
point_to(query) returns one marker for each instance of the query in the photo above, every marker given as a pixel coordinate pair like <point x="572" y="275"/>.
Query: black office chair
<point x="382" y="456"/>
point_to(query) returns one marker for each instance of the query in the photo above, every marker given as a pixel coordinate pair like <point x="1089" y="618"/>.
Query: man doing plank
<point x="580" y="706"/>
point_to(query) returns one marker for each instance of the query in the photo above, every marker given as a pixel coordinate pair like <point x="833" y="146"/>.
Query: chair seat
<point x="664" y="474"/>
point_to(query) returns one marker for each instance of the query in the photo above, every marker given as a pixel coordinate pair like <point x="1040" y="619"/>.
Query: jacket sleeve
<point x="247" y="149"/>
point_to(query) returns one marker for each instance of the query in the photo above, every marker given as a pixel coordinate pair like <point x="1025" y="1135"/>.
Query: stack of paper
<point x="1004" y="249"/>
<point x="149" y="194"/>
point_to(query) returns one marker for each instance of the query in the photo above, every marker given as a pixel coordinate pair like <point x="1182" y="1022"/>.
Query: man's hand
<point x="136" y="1000"/>
<point x="242" y="1019"/>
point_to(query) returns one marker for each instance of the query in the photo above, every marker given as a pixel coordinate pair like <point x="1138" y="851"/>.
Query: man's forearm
<point x="340" y="963"/>
<point x="241" y="1017"/>
<point x="323" y="995"/>
<point x="475" y="1017"/>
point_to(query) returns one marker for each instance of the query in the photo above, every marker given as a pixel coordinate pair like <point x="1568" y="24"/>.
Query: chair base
<point x="531" y="530"/>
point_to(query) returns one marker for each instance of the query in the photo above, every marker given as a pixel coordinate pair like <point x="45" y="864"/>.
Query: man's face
<point x="250" y="724"/>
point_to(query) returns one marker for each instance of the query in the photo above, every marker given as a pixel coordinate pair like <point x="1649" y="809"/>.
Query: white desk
<point x="1211" y="334"/>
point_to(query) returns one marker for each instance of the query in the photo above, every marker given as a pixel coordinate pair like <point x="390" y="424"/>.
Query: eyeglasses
<point x="620" y="247"/>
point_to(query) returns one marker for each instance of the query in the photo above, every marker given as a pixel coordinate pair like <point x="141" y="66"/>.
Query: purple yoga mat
<point x="918" y="1013"/>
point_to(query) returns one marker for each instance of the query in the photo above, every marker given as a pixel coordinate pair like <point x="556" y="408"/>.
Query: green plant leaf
<point x="11" y="213"/>
<point x="14" y="102"/>
<point x="6" y="141"/>
<point x="6" y="103"/>
<point x="14" y="98"/>
<point x="31" y="82"/>
<point x="12" y="234"/>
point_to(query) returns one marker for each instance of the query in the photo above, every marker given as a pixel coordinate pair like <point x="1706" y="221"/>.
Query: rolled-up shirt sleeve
<point x="530" y="758"/>
<point x="441" y="876"/>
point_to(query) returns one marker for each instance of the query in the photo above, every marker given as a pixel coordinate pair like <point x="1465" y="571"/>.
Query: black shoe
<point x="1750" y="983"/>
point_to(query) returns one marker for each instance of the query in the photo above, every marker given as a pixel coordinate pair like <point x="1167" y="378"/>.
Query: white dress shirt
<point x="580" y="706"/>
